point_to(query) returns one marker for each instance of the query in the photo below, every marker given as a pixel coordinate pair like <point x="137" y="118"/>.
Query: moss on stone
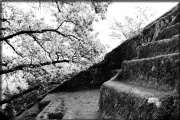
<point x="169" y="32"/>
<point x="161" y="47"/>
<point x="118" y="103"/>
<point x="160" y="72"/>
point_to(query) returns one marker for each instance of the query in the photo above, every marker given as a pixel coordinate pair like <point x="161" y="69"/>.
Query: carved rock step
<point x="125" y="101"/>
<point x="54" y="110"/>
<point x="160" y="72"/>
<point x="168" y="32"/>
<point x="160" y="47"/>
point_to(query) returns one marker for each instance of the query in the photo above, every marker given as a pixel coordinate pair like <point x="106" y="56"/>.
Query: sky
<point x="120" y="9"/>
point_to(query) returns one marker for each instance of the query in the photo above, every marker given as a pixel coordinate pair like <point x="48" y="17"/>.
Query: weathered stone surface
<point x="125" y="101"/>
<point x="100" y="76"/>
<point x="54" y="110"/>
<point x="86" y="79"/>
<point x="125" y="51"/>
<point x="169" y="32"/>
<point x="29" y="114"/>
<point x="82" y="79"/>
<point x="161" y="47"/>
<point x="160" y="72"/>
<point x="81" y="104"/>
<point x="176" y="19"/>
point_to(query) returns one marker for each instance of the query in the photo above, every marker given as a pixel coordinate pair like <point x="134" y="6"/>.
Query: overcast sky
<point x="120" y="9"/>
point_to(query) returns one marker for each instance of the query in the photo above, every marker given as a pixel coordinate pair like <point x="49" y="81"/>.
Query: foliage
<point x="133" y="25"/>
<point x="46" y="52"/>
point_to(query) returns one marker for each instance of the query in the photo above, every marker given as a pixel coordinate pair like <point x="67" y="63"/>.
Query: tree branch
<point x="36" y="39"/>
<point x="3" y="29"/>
<point x="4" y="20"/>
<point x="18" y="95"/>
<point x="4" y="64"/>
<point x="13" y="48"/>
<point x="36" y="31"/>
<point x="21" y="67"/>
<point x="67" y="21"/>
<point x="57" y="5"/>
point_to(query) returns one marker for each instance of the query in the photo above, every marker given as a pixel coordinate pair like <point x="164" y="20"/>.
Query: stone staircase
<point x="146" y="87"/>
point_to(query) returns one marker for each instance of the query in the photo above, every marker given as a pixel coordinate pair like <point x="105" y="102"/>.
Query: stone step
<point x="169" y="32"/>
<point x="176" y="19"/>
<point x="161" y="47"/>
<point x="125" y="101"/>
<point x="54" y="110"/>
<point x="160" y="72"/>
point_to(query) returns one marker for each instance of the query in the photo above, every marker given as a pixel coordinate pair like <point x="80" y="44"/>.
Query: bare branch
<point x="13" y="48"/>
<point x="57" y="5"/>
<point x="4" y="20"/>
<point x="36" y="39"/>
<point x="19" y="95"/>
<point x="4" y="64"/>
<point x="21" y="67"/>
<point x="70" y="21"/>
<point x="4" y="29"/>
<point x="36" y="31"/>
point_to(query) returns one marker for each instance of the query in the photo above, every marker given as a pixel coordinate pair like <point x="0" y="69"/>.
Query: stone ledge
<point x="126" y="101"/>
<point x="168" y="32"/>
<point x="160" y="72"/>
<point x="161" y="47"/>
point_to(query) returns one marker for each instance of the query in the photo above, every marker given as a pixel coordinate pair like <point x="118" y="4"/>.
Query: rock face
<point x="139" y="79"/>
<point x="147" y="87"/>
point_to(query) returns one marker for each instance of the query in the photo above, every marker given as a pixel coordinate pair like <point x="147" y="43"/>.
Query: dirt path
<point x="81" y="104"/>
<point x="77" y="105"/>
<point x="65" y="105"/>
